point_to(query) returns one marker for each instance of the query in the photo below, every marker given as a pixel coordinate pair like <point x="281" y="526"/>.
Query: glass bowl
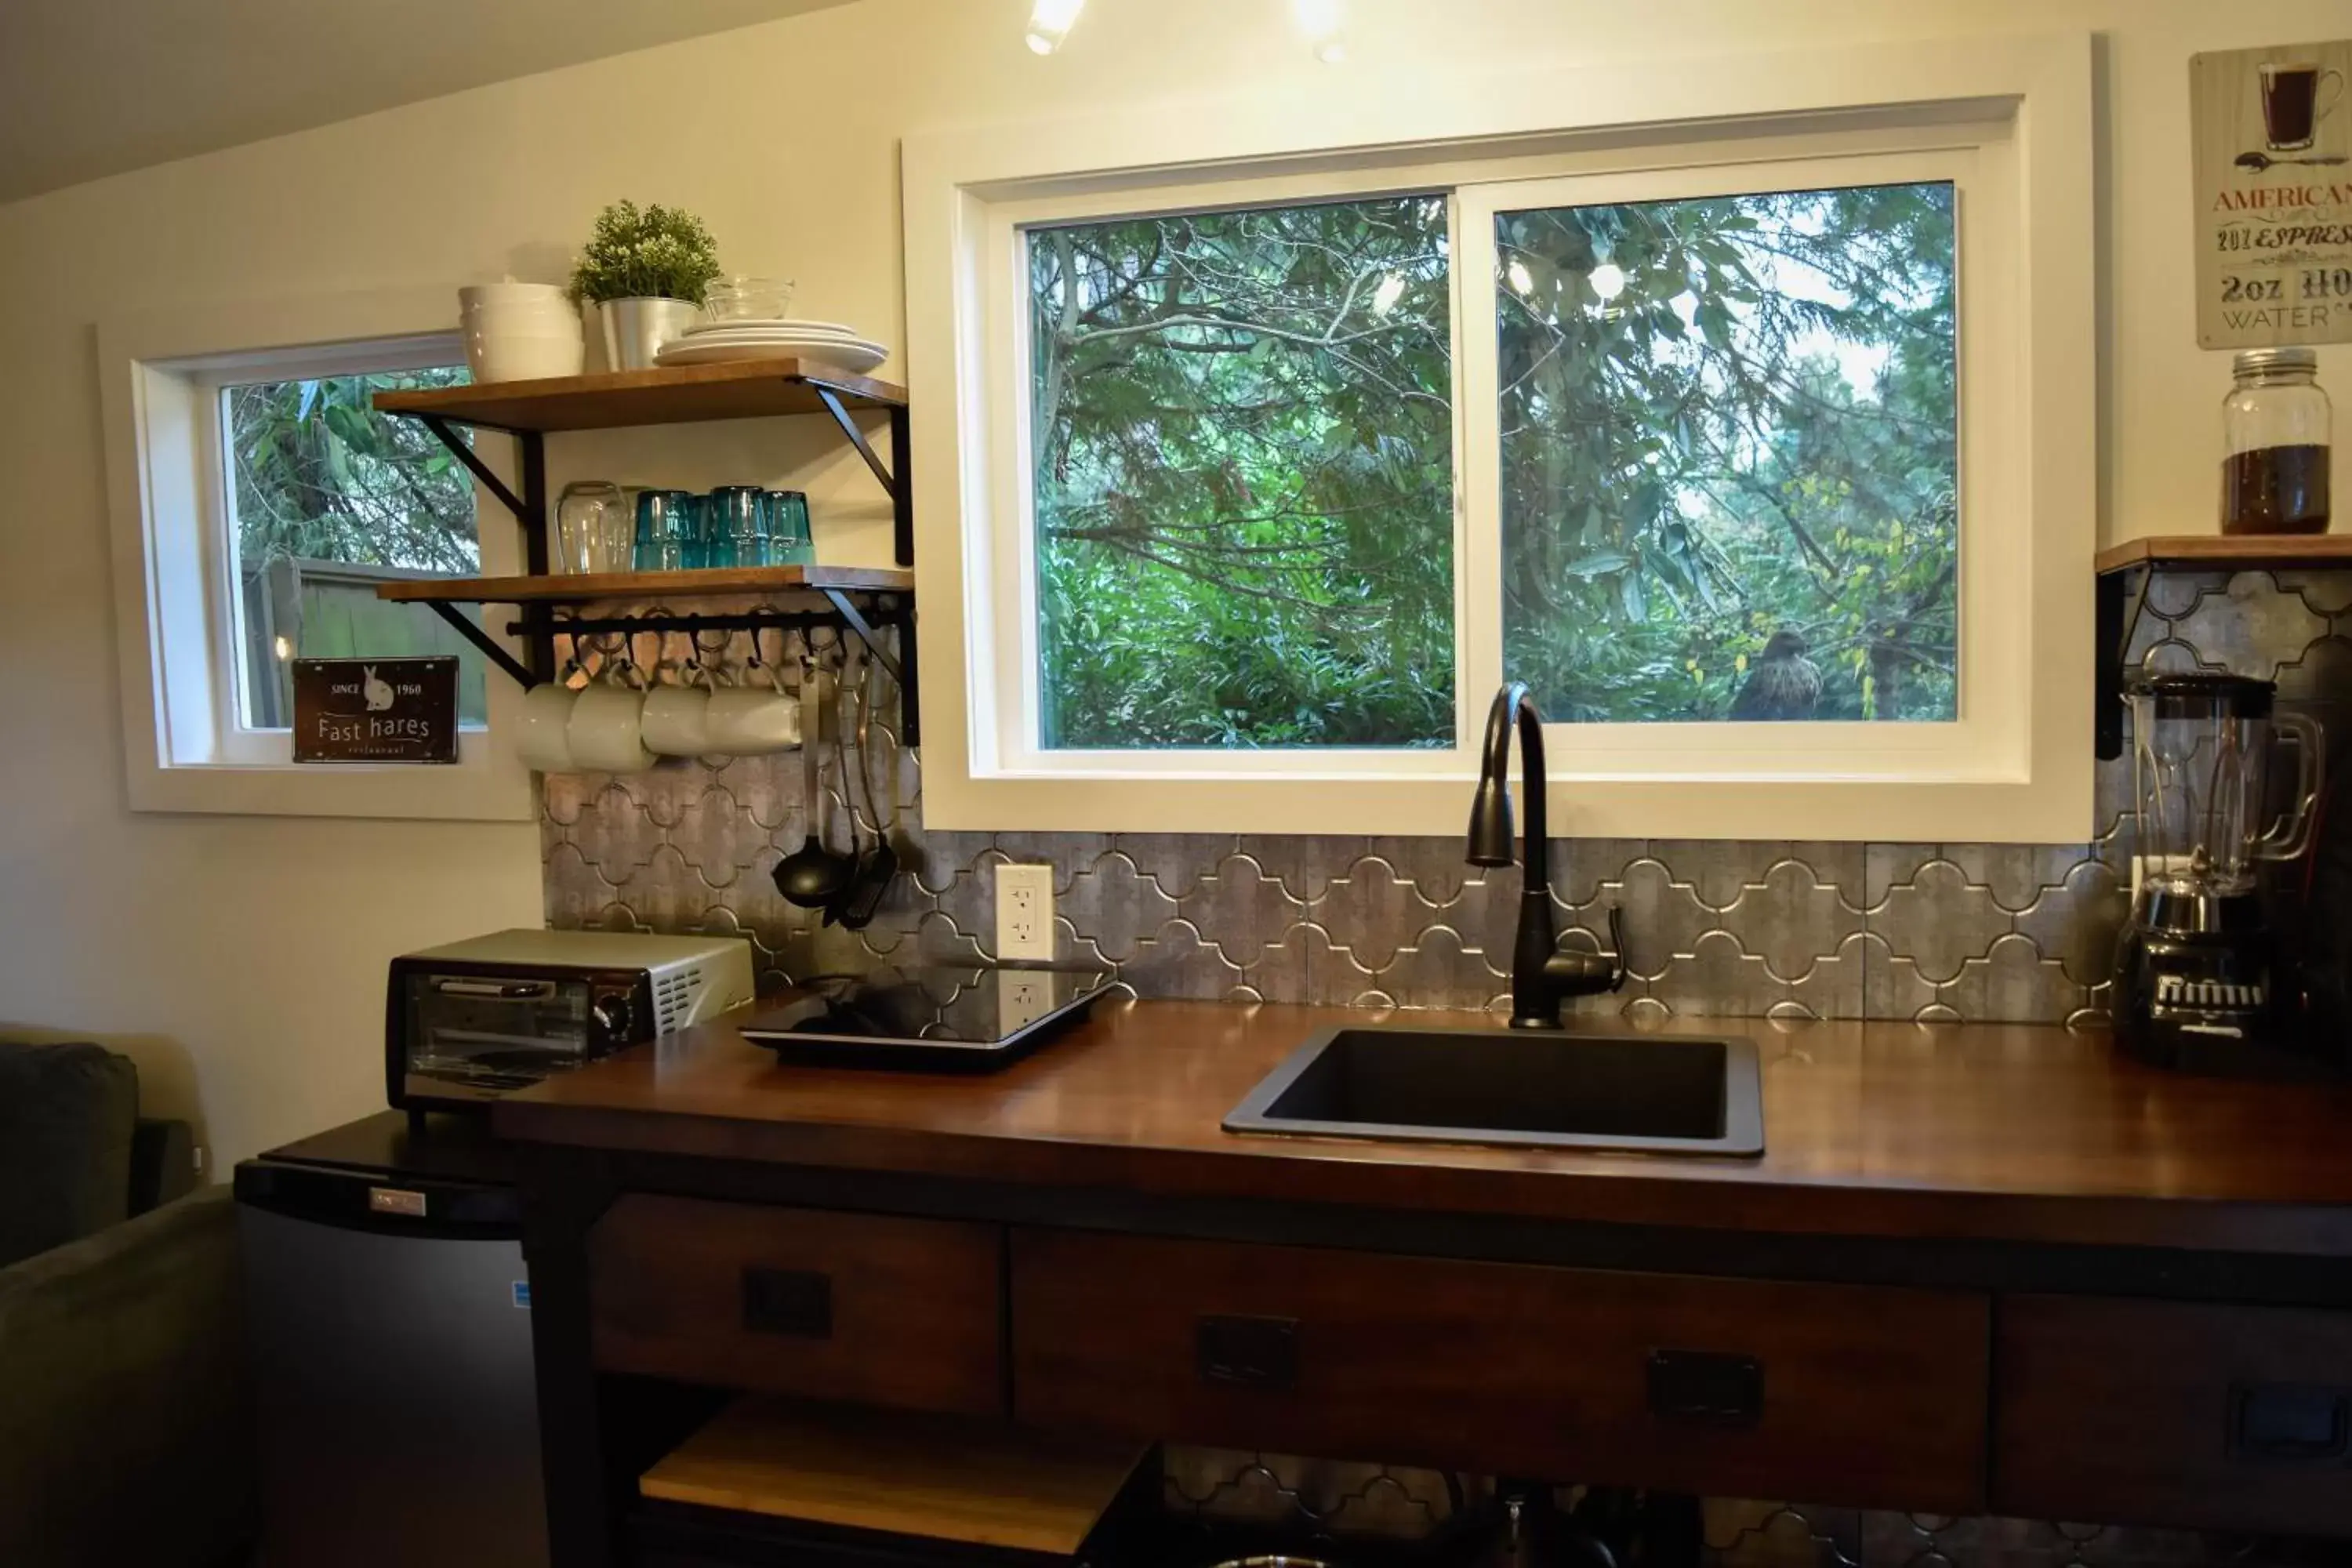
<point x="744" y="298"/>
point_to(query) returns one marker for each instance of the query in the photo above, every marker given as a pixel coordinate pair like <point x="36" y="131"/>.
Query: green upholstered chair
<point x="124" y="1428"/>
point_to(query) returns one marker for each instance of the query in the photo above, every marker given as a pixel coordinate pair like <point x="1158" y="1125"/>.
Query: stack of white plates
<point x="828" y="342"/>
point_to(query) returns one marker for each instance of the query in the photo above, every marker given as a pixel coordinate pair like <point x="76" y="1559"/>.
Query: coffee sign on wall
<point x="375" y="709"/>
<point x="2274" y="146"/>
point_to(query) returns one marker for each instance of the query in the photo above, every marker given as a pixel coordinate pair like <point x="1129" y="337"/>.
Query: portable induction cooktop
<point x="934" y="1019"/>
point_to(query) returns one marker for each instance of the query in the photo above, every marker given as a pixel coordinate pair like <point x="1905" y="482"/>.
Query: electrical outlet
<point x="1025" y="912"/>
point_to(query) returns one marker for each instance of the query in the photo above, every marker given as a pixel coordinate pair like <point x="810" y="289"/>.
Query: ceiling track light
<point x="1325" y="25"/>
<point x="1050" y="22"/>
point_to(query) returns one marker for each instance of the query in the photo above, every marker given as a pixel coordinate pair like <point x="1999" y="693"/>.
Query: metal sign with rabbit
<point x="375" y="709"/>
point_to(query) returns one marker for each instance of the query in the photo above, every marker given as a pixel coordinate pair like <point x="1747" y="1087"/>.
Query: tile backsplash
<point x="1930" y="931"/>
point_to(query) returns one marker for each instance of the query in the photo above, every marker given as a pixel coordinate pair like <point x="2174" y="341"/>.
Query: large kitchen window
<point x="1760" y="449"/>
<point x="259" y="502"/>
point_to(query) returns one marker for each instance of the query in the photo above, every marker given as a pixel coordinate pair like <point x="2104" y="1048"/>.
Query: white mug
<point x="754" y="717"/>
<point x="605" y="731"/>
<point x="546" y="719"/>
<point x="677" y="720"/>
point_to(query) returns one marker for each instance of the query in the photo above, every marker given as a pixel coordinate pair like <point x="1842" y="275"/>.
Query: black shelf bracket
<point x="2122" y="596"/>
<point x="897" y="478"/>
<point x="523" y="675"/>
<point x="463" y="451"/>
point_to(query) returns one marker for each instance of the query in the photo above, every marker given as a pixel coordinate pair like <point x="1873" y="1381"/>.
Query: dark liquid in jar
<point x="2275" y="490"/>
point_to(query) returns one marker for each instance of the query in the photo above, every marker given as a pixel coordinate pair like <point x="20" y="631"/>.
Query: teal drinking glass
<point x="789" y="540"/>
<point x="668" y="531"/>
<point x="735" y="523"/>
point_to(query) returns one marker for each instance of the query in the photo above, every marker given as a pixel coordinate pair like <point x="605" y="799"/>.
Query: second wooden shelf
<point x="583" y="587"/>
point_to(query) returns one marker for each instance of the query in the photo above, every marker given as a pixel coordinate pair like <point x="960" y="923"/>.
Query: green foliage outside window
<point x="1746" y="455"/>
<point x="333" y="498"/>
<point x="1729" y="488"/>
<point x="1241" y="435"/>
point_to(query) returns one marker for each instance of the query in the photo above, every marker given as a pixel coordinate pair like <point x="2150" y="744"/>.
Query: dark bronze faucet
<point x="1541" y="978"/>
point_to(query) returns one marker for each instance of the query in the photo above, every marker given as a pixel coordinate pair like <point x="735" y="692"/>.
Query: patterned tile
<point x="1712" y="928"/>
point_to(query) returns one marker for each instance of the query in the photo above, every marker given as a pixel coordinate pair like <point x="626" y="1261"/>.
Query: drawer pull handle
<point x="793" y="1301"/>
<point x="1707" y="1386"/>
<point x="1248" y="1353"/>
<point x="2289" y="1422"/>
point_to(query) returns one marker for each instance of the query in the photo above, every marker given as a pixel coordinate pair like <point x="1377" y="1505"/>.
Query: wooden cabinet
<point x="859" y="1307"/>
<point x="1742" y="1388"/>
<point x="2174" y="1413"/>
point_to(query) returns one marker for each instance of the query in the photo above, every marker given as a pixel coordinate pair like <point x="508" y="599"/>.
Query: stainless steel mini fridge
<point x="391" y="1326"/>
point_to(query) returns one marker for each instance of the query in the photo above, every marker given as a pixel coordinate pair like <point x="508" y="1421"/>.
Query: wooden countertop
<point x="1979" y="1131"/>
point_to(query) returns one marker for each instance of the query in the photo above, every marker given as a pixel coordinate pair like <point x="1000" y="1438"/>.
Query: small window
<point x="258" y="502"/>
<point x="1242" y="444"/>
<point x="1730" y="456"/>
<point x="324" y="500"/>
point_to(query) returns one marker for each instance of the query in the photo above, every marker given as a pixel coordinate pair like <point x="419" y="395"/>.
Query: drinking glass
<point x="668" y="531"/>
<point x="789" y="542"/>
<point x="583" y="514"/>
<point x="735" y="521"/>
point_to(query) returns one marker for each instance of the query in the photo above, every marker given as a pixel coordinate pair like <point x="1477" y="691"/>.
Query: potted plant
<point x="645" y="272"/>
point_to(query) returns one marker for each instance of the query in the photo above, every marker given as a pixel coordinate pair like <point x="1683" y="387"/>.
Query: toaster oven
<point x="471" y="1021"/>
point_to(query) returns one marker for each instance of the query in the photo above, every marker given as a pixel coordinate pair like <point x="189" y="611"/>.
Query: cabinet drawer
<point x="2174" y="1413"/>
<point x="1738" y="1388"/>
<point x="859" y="1307"/>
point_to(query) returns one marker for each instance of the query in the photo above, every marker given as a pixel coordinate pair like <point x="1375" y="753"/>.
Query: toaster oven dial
<point x="613" y="1015"/>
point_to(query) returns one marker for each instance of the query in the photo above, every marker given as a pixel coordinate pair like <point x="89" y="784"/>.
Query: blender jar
<point x="2201" y="756"/>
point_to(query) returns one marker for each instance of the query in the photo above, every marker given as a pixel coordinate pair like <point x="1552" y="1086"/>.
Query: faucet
<point x="1541" y="978"/>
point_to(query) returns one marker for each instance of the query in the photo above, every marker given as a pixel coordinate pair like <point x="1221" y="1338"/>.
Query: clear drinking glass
<point x="735" y="521"/>
<point x="789" y="540"/>
<point x="583" y="513"/>
<point x="668" y="531"/>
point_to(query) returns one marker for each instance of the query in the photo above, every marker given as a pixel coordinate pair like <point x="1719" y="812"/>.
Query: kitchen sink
<point x="1651" y="1093"/>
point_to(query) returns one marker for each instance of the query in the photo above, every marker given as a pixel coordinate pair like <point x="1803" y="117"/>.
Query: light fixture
<point x="1385" y="296"/>
<point x="1050" y="22"/>
<point x="1322" y="22"/>
<point x="283" y="647"/>
<point x="1608" y="281"/>
<point x="1521" y="278"/>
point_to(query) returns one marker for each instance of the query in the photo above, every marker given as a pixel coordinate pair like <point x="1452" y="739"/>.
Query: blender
<point x="2198" y="982"/>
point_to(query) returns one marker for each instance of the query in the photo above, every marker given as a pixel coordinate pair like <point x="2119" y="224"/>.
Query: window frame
<point x="185" y="745"/>
<point x="2025" y="778"/>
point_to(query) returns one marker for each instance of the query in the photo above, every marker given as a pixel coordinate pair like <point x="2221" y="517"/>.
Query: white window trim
<point x="176" y="609"/>
<point x="2030" y="779"/>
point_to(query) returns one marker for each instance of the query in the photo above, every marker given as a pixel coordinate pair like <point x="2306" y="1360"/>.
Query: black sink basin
<point x="1657" y="1094"/>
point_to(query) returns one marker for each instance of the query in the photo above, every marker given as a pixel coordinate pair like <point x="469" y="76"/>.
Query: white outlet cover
<point x="1025" y="912"/>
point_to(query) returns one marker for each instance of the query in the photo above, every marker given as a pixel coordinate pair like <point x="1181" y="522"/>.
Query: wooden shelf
<point x="946" y="1478"/>
<point x="750" y="389"/>
<point x="2224" y="553"/>
<point x="580" y="587"/>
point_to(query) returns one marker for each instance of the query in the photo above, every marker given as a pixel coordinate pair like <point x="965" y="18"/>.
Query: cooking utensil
<point x="864" y="900"/>
<point x="846" y="689"/>
<point x="811" y="876"/>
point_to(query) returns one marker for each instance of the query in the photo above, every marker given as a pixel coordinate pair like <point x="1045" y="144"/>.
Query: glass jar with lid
<point x="2274" y="428"/>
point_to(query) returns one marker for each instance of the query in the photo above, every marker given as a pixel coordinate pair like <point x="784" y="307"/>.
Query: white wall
<point x="247" y="955"/>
